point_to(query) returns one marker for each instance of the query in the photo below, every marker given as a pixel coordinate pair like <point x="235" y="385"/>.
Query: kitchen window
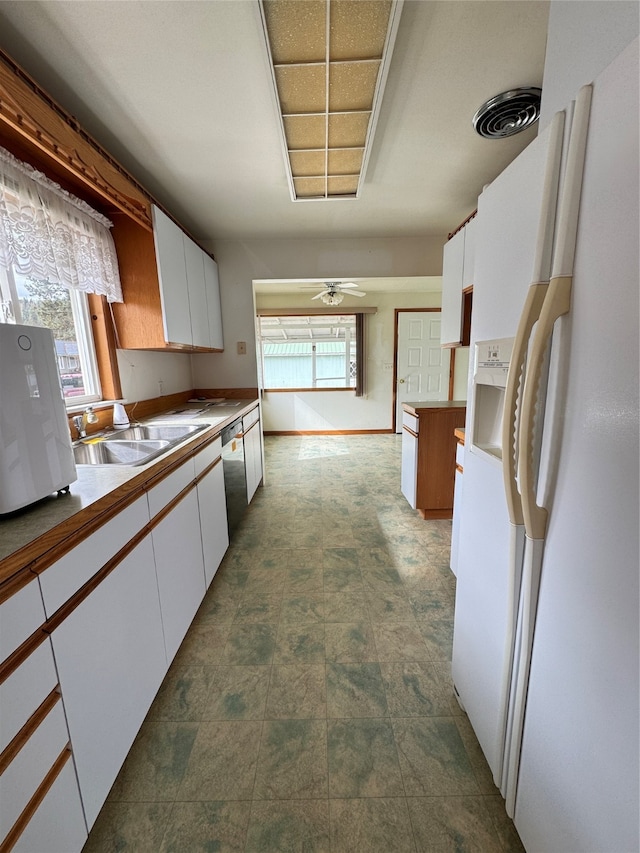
<point x="56" y="254"/>
<point x="310" y="352"/>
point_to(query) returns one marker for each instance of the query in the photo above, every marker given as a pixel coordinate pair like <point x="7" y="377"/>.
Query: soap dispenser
<point x="120" y="417"/>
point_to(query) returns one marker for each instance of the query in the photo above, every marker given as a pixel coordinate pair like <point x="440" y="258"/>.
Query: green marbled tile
<point x="363" y="761"/>
<point x="399" y="641"/>
<point x="227" y="581"/>
<point x="345" y="606"/>
<point x="431" y="602"/>
<point x="258" y="607"/>
<point x="442" y="824"/>
<point x="382" y="579"/>
<point x="303" y="579"/>
<point x="438" y="636"/>
<point x="346" y="578"/>
<point x="349" y="642"/>
<point x="413" y="690"/>
<point x="128" y="827"/>
<point x="249" y="644"/>
<point x="423" y="577"/>
<point x="433" y="760"/>
<point x="372" y="825"/>
<point x="236" y="559"/>
<point x="292" y="763"/>
<point x="481" y="769"/>
<point x="339" y="537"/>
<point x="296" y="691"/>
<point x="248" y="538"/>
<point x="369" y="537"/>
<point x="269" y="580"/>
<point x="355" y="690"/>
<point x="220" y="608"/>
<point x="156" y="763"/>
<point x="298" y="558"/>
<point x="237" y="693"/>
<point x="339" y="558"/>
<point x="222" y="763"/>
<point x="289" y="825"/>
<point x="205" y="827"/>
<point x="273" y="559"/>
<point x="277" y="538"/>
<point x="303" y="608"/>
<point x="183" y="694"/>
<point x="372" y="557"/>
<point x="203" y="644"/>
<point x="300" y="643"/>
<point x="507" y="833"/>
<point x="390" y="606"/>
<point x="306" y="535"/>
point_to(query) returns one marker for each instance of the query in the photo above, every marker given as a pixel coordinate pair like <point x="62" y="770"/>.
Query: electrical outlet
<point x="242" y="347"/>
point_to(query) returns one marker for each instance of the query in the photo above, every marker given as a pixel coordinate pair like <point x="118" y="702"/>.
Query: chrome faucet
<point x="87" y="417"/>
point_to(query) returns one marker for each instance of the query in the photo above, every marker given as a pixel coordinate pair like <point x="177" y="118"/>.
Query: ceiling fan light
<point x="332" y="297"/>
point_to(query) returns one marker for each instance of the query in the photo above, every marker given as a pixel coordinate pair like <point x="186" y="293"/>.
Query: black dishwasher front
<point x="235" y="480"/>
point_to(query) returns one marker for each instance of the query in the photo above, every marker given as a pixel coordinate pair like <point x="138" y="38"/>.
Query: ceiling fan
<point x="332" y="293"/>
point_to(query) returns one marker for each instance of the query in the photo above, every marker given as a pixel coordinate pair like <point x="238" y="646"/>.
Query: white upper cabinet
<point x="457" y="275"/>
<point x="189" y="287"/>
<point x="214" y="309"/>
<point x="172" y="275"/>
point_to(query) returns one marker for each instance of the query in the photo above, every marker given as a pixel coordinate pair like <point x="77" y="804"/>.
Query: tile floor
<point x="310" y="707"/>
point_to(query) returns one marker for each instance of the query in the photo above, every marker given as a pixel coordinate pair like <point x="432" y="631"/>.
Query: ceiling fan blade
<point x="355" y="293"/>
<point x="318" y="295"/>
<point x="312" y="287"/>
<point x="348" y="284"/>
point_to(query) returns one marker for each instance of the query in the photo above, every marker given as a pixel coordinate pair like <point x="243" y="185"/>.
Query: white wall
<point x="342" y="410"/>
<point x="145" y="375"/>
<point x="239" y="263"/>
<point x="583" y="38"/>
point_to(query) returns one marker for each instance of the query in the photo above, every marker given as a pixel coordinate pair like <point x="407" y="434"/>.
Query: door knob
<point x="402" y="381"/>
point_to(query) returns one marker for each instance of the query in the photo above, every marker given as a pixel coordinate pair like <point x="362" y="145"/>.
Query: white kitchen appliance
<point x="548" y="668"/>
<point x="36" y="457"/>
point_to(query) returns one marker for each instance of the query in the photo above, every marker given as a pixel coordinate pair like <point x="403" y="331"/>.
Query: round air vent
<point x="508" y="113"/>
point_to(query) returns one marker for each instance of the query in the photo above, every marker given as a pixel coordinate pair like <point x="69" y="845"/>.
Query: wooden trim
<point x="32" y="806"/>
<point x="430" y="514"/>
<point x="452" y="372"/>
<point x="10" y="587"/>
<point x="18" y="741"/>
<point x="228" y="393"/>
<point x="328" y="432"/>
<point x="208" y="469"/>
<point x="462" y="224"/>
<point x="467" y="310"/>
<point x="105" y="346"/>
<point x="460" y="434"/>
<point x="306" y="390"/>
<point x="394" y="390"/>
<point x="167" y="508"/>
<point x="410" y="431"/>
<point x="459" y="468"/>
<point x="19" y="656"/>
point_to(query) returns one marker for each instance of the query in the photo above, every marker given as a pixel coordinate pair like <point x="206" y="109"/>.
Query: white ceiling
<point x="180" y="92"/>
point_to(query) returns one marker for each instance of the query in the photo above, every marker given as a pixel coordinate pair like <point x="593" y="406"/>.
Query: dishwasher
<point x="235" y="480"/>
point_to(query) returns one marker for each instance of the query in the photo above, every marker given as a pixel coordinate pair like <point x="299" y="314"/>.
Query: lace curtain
<point x="47" y="233"/>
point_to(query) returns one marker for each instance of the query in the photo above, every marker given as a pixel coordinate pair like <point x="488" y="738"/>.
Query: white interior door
<point x="422" y="366"/>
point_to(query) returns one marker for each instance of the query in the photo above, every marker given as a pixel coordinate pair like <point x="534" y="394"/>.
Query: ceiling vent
<point x="329" y="62"/>
<point x="508" y="113"/>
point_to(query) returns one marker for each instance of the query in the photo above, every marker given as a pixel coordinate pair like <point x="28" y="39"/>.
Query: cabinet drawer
<point x="22" y="777"/>
<point x="410" y="421"/>
<point x="45" y="830"/>
<point x="250" y="419"/>
<point x="159" y="496"/>
<point x="61" y="580"/>
<point x="20" y="616"/>
<point x="210" y="453"/>
<point x="25" y="689"/>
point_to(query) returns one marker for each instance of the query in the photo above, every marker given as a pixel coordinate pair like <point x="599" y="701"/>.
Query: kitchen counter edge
<point x="26" y="537"/>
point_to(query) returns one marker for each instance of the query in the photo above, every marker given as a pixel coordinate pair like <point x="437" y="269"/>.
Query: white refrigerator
<point x="571" y="775"/>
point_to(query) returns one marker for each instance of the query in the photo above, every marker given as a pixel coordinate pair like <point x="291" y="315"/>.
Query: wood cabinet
<point x="428" y="455"/>
<point x="457" y="285"/>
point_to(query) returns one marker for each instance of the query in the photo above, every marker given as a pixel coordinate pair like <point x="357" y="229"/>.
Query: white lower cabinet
<point x="212" y="506"/>
<point x="57" y="825"/>
<point x="111" y="660"/>
<point x="180" y="569"/>
<point x="409" y="470"/>
<point x="252" y="458"/>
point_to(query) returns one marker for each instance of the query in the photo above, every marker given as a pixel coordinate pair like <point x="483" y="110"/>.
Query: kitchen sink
<point x="134" y="445"/>
<point x="155" y="432"/>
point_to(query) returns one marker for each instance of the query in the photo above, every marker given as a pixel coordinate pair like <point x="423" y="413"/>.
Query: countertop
<point x="430" y="405"/>
<point x="26" y="535"/>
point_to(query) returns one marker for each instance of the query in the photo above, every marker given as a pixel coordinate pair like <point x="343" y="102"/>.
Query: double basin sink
<point x="135" y="445"/>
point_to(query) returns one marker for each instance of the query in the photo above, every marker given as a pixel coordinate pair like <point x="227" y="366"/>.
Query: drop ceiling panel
<point x="345" y="162"/>
<point x="307" y="163"/>
<point x="302" y="88"/>
<point x="305" y="131"/>
<point x="364" y="41"/>
<point x="348" y="130"/>
<point x="352" y="85"/>
<point x="297" y="30"/>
